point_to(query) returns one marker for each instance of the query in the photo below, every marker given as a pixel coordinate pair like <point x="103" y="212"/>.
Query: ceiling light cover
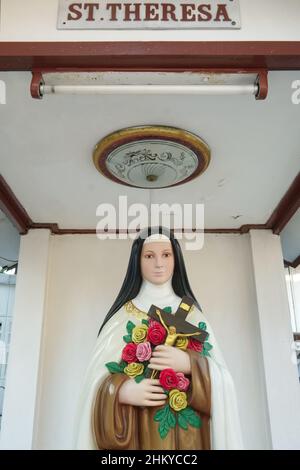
<point x="151" y="157"/>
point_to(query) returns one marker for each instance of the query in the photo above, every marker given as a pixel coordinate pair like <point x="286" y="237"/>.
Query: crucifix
<point x="176" y="325"/>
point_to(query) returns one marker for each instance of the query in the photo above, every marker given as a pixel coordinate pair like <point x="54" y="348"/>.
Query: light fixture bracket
<point x="196" y="82"/>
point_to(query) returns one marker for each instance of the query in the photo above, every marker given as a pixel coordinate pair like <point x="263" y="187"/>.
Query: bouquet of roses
<point x="140" y="342"/>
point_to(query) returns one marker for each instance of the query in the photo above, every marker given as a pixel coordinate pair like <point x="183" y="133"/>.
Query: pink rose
<point x="156" y="333"/>
<point x="183" y="382"/>
<point x="129" y="353"/>
<point x="195" y="345"/>
<point x="143" y="351"/>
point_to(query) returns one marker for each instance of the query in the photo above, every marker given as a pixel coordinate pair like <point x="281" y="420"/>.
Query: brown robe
<point x="125" y="427"/>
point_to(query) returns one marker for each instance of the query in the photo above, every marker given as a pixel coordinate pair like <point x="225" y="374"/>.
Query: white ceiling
<point x="46" y="151"/>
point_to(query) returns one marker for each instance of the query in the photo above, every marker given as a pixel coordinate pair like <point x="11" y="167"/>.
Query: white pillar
<point x="25" y="348"/>
<point x="282" y="384"/>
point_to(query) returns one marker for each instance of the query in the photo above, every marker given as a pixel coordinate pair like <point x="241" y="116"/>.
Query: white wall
<point x="22" y="380"/>
<point x="295" y="285"/>
<point x="84" y="277"/>
<point x="7" y="296"/>
<point x="262" y="20"/>
<point x="281" y="374"/>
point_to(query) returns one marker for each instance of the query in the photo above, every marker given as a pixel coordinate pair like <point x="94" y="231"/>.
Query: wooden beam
<point x="286" y="208"/>
<point x="151" y="55"/>
<point x="293" y="264"/>
<point x="13" y="209"/>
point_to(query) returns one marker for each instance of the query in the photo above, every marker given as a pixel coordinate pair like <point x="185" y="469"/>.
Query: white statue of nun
<point x="156" y="275"/>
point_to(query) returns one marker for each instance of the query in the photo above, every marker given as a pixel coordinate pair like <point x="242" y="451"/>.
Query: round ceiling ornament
<point x="151" y="157"/>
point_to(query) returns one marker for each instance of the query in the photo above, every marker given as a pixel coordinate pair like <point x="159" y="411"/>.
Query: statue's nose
<point x="159" y="262"/>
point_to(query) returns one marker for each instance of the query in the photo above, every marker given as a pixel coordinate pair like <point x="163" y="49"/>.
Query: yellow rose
<point x="177" y="400"/>
<point x="139" y="333"/>
<point x="134" y="369"/>
<point x="182" y="343"/>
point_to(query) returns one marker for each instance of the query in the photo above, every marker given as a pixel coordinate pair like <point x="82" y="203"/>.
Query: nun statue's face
<point x="157" y="262"/>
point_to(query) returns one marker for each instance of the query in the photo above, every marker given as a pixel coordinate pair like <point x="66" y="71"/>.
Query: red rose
<point x="129" y="353"/>
<point x="168" y="379"/>
<point x="195" y="345"/>
<point x="156" y="333"/>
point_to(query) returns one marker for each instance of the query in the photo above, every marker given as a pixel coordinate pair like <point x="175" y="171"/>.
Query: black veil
<point x="133" y="278"/>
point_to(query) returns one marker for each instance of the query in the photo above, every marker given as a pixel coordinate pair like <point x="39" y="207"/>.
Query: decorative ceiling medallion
<point x="151" y="157"/>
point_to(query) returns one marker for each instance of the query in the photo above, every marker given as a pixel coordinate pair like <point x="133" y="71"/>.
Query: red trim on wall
<point x="13" y="209"/>
<point x="64" y="231"/>
<point x="151" y="55"/>
<point x="286" y="208"/>
<point x="293" y="264"/>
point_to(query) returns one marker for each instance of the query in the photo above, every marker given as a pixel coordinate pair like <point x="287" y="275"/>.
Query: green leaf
<point x="127" y="338"/>
<point x="123" y="364"/>
<point x="182" y="420"/>
<point x="145" y="322"/>
<point x="171" y="419"/>
<point x="188" y="411"/>
<point x="163" y="430"/>
<point x="165" y="419"/>
<point x="162" y="416"/>
<point x="207" y="346"/>
<point x="192" y="417"/>
<point x="129" y="327"/>
<point x="167" y="309"/>
<point x="195" y="421"/>
<point x="114" y="367"/>
<point x="139" y="378"/>
<point x="202" y="325"/>
<point x="206" y="354"/>
<point x="159" y="415"/>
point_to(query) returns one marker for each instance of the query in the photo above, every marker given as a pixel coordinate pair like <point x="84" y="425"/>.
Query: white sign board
<point x="145" y="14"/>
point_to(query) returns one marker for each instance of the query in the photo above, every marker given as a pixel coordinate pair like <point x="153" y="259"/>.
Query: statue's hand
<point x="148" y="392"/>
<point x="165" y="357"/>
